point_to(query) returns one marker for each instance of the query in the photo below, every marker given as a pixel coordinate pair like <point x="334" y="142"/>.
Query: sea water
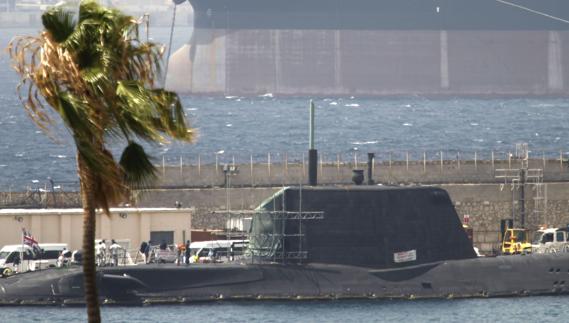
<point x="233" y="127"/>
<point x="527" y="309"/>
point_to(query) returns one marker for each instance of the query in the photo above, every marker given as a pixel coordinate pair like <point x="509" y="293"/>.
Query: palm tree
<point x="96" y="75"/>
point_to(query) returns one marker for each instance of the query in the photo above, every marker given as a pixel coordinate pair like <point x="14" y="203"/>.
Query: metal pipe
<point x="312" y="152"/>
<point x="370" y="158"/>
<point x="311" y="127"/>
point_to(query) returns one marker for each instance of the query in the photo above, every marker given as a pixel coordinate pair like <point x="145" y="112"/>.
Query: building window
<point x="158" y="237"/>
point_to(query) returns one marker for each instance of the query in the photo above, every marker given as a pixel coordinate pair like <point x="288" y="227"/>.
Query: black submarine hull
<point x="504" y="276"/>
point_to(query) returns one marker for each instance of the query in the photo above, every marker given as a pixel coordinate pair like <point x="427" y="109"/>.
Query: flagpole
<point x="22" y="250"/>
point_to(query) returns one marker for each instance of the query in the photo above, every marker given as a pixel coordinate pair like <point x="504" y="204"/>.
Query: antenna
<point x="533" y="11"/>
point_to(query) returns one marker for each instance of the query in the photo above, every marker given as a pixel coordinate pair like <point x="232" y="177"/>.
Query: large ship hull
<point x="375" y="48"/>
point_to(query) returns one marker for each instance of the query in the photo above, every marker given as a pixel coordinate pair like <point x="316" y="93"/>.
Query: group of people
<point x="183" y="253"/>
<point x="147" y="251"/>
<point x="68" y="257"/>
<point x="107" y="256"/>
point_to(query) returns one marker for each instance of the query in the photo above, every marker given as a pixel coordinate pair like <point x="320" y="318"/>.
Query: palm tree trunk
<point x="89" y="222"/>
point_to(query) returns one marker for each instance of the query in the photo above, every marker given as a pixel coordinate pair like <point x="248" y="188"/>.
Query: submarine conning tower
<point x="373" y="226"/>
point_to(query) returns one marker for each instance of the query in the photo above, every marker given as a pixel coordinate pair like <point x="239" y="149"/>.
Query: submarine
<point x="322" y="243"/>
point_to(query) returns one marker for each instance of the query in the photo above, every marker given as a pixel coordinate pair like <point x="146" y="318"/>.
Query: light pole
<point x="228" y="171"/>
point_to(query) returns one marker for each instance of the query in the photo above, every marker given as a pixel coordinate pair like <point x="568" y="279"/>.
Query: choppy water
<point x="531" y="309"/>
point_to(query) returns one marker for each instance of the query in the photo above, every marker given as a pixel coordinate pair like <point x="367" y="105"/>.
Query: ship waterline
<point x="372" y="62"/>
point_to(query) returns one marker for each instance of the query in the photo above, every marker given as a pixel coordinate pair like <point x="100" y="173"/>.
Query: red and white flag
<point x="29" y="240"/>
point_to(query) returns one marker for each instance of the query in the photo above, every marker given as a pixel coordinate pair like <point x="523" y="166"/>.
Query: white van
<point x="49" y="254"/>
<point x="10" y="256"/>
<point x="10" y="260"/>
<point x="219" y="248"/>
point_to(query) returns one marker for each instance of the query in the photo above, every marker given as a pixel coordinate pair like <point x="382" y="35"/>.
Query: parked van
<point x="49" y="254"/>
<point x="218" y="249"/>
<point x="10" y="261"/>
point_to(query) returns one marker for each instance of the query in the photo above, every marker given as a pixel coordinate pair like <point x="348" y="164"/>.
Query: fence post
<point x="424" y="161"/>
<point x="475" y="161"/>
<point x="321" y="165"/>
<point x="442" y="162"/>
<point x="407" y="160"/>
<point x="163" y="165"/>
<point x="543" y="157"/>
<point x="458" y="159"/>
<point x="561" y="160"/>
<point x="216" y="163"/>
<point x="251" y="163"/>
<point x="199" y="165"/>
<point x="355" y="160"/>
<point x="338" y="163"/>
<point x="373" y="166"/>
<point x="303" y="167"/>
<point x="269" y="163"/>
<point x="493" y="161"/>
<point x="509" y="160"/>
<point x="285" y="167"/>
<point x="390" y="157"/>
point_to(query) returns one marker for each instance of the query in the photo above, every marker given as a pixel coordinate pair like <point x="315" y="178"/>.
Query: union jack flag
<point x="29" y="240"/>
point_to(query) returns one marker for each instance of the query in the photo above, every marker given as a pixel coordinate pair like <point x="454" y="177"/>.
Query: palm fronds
<point x="99" y="78"/>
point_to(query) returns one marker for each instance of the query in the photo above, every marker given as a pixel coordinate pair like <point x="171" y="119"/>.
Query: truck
<point x="551" y="240"/>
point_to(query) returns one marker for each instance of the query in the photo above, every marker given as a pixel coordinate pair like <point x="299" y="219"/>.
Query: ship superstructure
<point x="376" y="47"/>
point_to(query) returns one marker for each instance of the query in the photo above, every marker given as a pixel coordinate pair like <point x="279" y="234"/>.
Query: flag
<point x="29" y="239"/>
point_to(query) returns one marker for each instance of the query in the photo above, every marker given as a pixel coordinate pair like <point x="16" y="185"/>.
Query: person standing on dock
<point x="143" y="251"/>
<point x="114" y="249"/>
<point x="187" y="253"/>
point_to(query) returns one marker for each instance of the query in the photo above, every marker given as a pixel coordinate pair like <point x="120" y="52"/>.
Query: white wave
<point x="219" y="152"/>
<point x="474" y="124"/>
<point x="3" y="165"/>
<point x="229" y="125"/>
<point x="19" y="155"/>
<point x="557" y="138"/>
<point x="230" y="97"/>
<point x="479" y="140"/>
<point x="407" y="124"/>
<point x="266" y="95"/>
<point x="333" y="103"/>
<point x="192" y="109"/>
<point x="355" y="105"/>
<point x="371" y="142"/>
<point x="537" y="134"/>
<point x="543" y="105"/>
<point x="406" y="105"/>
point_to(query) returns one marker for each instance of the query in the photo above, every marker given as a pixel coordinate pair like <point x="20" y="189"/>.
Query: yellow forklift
<point x="516" y="241"/>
